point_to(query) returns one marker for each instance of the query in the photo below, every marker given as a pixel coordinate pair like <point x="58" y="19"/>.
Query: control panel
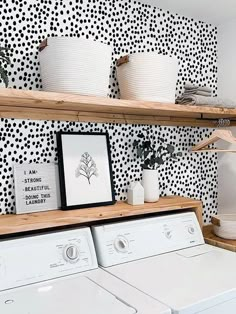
<point x="127" y="241"/>
<point x="42" y="257"/>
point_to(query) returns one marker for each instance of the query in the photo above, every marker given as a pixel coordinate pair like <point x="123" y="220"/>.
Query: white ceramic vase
<point x="150" y="184"/>
<point x="2" y="85"/>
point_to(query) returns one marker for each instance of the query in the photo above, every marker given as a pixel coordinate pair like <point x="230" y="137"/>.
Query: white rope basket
<point x="224" y="226"/>
<point x="148" y="76"/>
<point x="74" y="65"/>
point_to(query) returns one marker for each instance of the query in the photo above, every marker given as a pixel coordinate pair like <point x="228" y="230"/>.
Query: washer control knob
<point x="191" y="230"/>
<point x="168" y="234"/>
<point x="71" y="253"/>
<point x="121" y="244"/>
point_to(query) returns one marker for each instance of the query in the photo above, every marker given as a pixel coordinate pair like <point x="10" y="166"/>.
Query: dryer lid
<point x="69" y="296"/>
<point x="188" y="282"/>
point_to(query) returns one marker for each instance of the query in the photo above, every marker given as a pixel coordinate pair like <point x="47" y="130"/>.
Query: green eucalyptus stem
<point x="152" y="158"/>
<point x="4" y="62"/>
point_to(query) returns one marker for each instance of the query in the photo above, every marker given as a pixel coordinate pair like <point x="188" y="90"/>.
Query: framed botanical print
<point x="85" y="170"/>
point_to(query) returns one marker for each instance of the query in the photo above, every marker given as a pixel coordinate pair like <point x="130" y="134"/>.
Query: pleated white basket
<point x="148" y="76"/>
<point x="74" y="65"/>
<point x="224" y="226"/>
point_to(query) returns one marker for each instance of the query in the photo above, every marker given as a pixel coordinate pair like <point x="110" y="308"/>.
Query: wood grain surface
<point x="10" y="224"/>
<point x="212" y="239"/>
<point x="26" y="104"/>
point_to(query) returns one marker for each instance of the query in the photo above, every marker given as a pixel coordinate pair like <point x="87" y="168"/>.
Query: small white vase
<point x="2" y="85"/>
<point x="150" y="184"/>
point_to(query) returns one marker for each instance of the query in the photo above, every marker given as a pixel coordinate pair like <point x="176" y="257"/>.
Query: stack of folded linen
<point x="201" y="96"/>
<point x="190" y="90"/>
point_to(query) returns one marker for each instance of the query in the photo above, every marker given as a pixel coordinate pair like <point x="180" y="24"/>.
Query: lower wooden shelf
<point x="212" y="239"/>
<point x="12" y="224"/>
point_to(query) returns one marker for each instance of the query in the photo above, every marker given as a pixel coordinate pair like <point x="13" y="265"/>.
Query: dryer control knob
<point x="191" y="230"/>
<point x="71" y="253"/>
<point x="121" y="244"/>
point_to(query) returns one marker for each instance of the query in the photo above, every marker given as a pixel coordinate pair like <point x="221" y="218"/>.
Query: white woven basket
<point x="224" y="226"/>
<point x="74" y="65"/>
<point x="148" y="76"/>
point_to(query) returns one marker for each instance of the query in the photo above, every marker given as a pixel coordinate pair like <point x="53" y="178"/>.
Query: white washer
<point x="166" y="258"/>
<point x="57" y="273"/>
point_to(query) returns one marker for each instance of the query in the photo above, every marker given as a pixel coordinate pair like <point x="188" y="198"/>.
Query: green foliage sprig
<point x="4" y="61"/>
<point x="152" y="157"/>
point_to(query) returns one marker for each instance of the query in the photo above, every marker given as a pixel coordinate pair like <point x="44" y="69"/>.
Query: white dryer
<point x="57" y="273"/>
<point x="166" y="258"/>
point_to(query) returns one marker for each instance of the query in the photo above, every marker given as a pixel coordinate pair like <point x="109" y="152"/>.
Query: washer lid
<point x="73" y="296"/>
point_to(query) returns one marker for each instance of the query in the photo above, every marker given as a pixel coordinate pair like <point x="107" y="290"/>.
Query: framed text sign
<point x="36" y="187"/>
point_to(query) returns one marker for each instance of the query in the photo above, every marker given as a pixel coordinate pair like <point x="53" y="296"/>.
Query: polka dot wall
<point x="34" y="141"/>
<point x="129" y="27"/>
<point x="126" y="25"/>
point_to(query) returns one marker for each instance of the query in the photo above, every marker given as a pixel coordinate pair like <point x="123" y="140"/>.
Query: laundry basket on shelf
<point x="147" y="76"/>
<point x="74" y="65"/>
<point x="224" y="226"/>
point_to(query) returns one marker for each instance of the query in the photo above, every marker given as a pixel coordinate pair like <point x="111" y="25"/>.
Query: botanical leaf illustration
<point x="87" y="167"/>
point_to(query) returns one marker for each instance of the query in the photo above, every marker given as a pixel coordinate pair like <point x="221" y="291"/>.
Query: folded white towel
<point x="198" y="92"/>
<point x="193" y="88"/>
<point x="206" y="101"/>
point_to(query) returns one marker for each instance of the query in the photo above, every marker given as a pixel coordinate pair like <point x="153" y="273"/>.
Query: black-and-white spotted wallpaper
<point x="129" y="27"/>
<point x="195" y="175"/>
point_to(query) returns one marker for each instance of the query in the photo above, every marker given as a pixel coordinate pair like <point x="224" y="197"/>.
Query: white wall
<point x="227" y="180"/>
<point x="227" y="60"/>
<point x="227" y="88"/>
<point x="209" y="11"/>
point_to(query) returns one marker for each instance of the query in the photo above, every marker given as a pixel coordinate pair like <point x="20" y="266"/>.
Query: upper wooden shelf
<point x="12" y="224"/>
<point x="25" y="104"/>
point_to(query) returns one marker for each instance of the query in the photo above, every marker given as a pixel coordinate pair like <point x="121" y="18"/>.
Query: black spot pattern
<point x="195" y="175"/>
<point x="129" y="27"/>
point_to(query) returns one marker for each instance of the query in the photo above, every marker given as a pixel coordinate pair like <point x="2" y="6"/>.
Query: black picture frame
<point x="64" y="147"/>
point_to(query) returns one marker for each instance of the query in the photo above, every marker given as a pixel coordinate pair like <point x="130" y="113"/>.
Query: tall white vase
<point x="150" y="184"/>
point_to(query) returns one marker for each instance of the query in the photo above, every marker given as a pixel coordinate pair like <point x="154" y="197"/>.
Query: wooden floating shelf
<point x="214" y="150"/>
<point x="12" y="224"/>
<point x="39" y="105"/>
<point x="212" y="239"/>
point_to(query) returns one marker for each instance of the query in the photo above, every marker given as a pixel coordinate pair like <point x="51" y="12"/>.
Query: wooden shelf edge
<point x="40" y="105"/>
<point x="11" y="224"/>
<point x="212" y="239"/>
<point x="36" y="114"/>
<point x="213" y="151"/>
